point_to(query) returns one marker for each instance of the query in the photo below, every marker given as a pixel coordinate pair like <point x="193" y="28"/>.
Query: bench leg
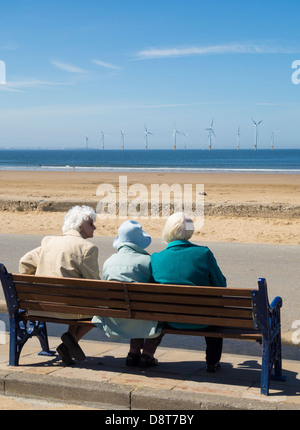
<point x="278" y="376"/>
<point x="20" y="332"/>
<point x="15" y="346"/>
<point x="42" y="335"/>
<point x="271" y="358"/>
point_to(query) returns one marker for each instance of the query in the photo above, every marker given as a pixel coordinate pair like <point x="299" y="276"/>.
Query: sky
<point x="69" y="69"/>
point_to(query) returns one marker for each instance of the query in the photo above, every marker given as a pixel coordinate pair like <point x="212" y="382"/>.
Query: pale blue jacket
<point x="130" y="264"/>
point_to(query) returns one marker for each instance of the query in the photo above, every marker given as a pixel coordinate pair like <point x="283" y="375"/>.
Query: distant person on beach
<point x="69" y="255"/>
<point x="131" y="264"/>
<point x="185" y="263"/>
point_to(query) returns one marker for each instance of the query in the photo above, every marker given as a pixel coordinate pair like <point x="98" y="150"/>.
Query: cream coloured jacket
<point x="68" y="256"/>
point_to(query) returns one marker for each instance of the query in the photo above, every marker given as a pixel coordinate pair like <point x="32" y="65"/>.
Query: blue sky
<point x="76" y="67"/>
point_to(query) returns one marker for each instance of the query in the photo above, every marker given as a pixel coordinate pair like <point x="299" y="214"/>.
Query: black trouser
<point x="148" y="346"/>
<point x="213" y="350"/>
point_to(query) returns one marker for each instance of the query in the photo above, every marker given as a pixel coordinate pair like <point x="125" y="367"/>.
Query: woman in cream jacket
<point x="69" y="255"/>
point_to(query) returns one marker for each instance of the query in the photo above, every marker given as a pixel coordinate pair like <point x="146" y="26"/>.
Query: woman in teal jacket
<point x="185" y="263"/>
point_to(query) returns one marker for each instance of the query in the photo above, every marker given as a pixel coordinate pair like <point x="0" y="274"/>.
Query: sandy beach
<point x="248" y="208"/>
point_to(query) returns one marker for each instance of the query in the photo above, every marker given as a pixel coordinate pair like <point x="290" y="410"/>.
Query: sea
<point x="285" y="161"/>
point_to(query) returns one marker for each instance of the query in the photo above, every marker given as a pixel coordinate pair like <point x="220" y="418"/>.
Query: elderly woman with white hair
<point x="185" y="263"/>
<point x="69" y="255"/>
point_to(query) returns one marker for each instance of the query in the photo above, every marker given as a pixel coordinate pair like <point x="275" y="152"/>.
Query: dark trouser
<point x="148" y="346"/>
<point x="213" y="350"/>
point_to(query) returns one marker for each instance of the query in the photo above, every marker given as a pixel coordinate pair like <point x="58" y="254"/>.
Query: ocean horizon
<point x="285" y="161"/>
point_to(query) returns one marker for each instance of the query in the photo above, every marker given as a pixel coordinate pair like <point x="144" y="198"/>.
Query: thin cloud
<point x="233" y="48"/>
<point x="106" y="65"/>
<point x="67" y="67"/>
<point x="9" y="45"/>
<point x="19" y="86"/>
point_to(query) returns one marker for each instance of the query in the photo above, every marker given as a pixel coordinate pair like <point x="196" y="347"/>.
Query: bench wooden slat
<point x="80" y="301"/>
<point x="74" y="282"/>
<point x="81" y="310"/>
<point x="194" y="319"/>
<point x="189" y="289"/>
<point x="69" y="290"/>
<point x="196" y="300"/>
<point x="50" y="295"/>
<point x="193" y="310"/>
<point x="227" y="333"/>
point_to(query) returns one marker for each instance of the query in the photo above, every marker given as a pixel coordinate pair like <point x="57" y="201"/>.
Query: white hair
<point x="75" y="217"/>
<point x="178" y="226"/>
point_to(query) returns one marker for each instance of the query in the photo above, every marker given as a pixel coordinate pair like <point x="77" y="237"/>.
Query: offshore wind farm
<point x="179" y="137"/>
<point x="104" y="154"/>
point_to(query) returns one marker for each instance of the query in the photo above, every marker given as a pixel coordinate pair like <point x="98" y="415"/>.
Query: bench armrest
<point x="266" y="316"/>
<point x="276" y="303"/>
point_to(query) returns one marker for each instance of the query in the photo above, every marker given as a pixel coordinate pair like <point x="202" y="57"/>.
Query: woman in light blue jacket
<point x="131" y="264"/>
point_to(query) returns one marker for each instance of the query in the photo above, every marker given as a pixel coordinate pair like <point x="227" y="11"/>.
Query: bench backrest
<point x="227" y="307"/>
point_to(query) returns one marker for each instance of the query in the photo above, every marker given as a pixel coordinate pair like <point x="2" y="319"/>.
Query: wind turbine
<point x="102" y="139"/>
<point x="122" y="138"/>
<point x="238" y="138"/>
<point x="272" y="138"/>
<point x="211" y="133"/>
<point x="185" y="139"/>
<point x="175" y="132"/>
<point x="146" y="137"/>
<point x="256" y="124"/>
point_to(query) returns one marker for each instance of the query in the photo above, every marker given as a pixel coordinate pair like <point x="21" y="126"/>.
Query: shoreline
<point x="238" y="207"/>
<point x="187" y="170"/>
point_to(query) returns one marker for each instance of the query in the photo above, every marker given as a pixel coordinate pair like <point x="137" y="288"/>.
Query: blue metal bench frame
<point x="266" y="320"/>
<point x="20" y="330"/>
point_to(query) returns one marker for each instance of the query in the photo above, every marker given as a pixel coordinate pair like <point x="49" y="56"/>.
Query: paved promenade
<point x="179" y="382"/>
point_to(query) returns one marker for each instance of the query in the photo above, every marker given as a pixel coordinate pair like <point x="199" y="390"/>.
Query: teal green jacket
<point x="185" y="263"/>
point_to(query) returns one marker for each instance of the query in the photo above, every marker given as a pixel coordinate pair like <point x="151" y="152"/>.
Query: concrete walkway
<point x="179" y="382"/>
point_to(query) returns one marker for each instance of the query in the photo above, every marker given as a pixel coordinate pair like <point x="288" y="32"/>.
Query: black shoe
<point x="147" y="361"/>
<point x="72" y="346"/>
<point x="64" y="355"/>
<point x="132" y="359"/>
<point x="212" y="368"/>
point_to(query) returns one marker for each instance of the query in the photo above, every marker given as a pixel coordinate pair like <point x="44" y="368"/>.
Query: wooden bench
<point x="235" y="313"/>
